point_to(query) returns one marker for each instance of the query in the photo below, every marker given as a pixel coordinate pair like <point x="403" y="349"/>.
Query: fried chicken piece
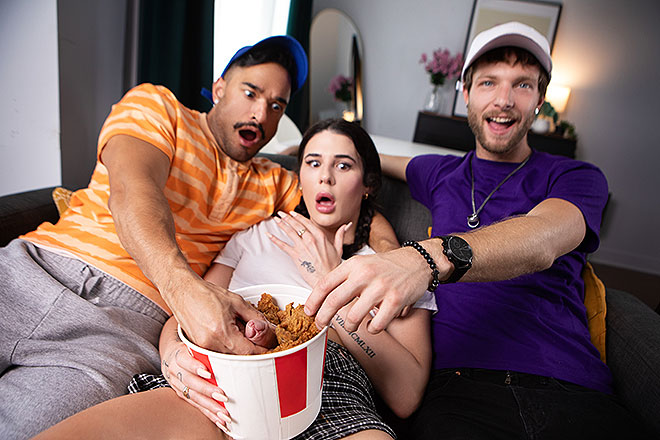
<point x="267" y="306"/>
<point x="293" y="326"/>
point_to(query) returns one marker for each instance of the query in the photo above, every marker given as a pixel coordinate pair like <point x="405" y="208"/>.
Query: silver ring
<point x="186" y="392"/>
<point x="301" y="232"/>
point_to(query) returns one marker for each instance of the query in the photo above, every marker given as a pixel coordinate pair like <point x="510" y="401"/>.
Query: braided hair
<point x="372" y="178"/>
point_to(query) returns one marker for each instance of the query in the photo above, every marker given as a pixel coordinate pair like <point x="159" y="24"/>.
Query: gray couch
<point x="633" y="329"/>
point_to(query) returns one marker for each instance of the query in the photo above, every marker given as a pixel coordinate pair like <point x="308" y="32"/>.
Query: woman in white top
<point x="339" y="176"/>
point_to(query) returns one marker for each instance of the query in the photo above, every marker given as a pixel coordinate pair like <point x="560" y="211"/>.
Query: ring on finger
<point x="186" y="391"/>
<point x="301" y="232"/>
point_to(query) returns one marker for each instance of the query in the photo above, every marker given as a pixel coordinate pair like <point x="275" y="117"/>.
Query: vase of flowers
<point x="442" y="68"/>
<point x="341" y="89"/>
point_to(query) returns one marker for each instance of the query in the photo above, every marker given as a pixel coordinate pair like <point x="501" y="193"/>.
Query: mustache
<point x="259" y="127"/>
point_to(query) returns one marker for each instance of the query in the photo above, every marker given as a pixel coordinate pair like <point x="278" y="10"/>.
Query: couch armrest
<point x="633" y="354"/>
<point x="23" y="212"/>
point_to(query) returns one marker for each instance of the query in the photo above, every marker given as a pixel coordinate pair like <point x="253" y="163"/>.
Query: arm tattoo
<point x="355" y="337"/>
<point x="309" y="266"/>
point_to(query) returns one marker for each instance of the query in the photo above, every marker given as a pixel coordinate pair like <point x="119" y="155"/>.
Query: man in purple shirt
<point x="512" y="351"/>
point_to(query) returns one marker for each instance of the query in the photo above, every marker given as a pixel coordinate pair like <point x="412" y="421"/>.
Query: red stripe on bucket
<point x="205" y="360"/>
<point x="291" y="371"/>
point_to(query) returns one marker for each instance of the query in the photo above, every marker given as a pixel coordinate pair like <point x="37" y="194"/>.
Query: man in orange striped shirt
<point x="83" y="301"/>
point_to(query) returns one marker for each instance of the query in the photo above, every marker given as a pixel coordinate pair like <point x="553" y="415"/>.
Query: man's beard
<point x="476" y="125"/>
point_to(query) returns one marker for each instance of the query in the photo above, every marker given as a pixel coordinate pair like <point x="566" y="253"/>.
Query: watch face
<point x="461" y="249"/>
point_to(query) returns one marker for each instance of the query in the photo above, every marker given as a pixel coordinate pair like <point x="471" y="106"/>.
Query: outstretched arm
<point x="138" y="173"/>
<point x="394" y="279"/>
<point x="394" y="166"/>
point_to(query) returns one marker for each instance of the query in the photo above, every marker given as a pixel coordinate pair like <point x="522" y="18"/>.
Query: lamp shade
<point x="557" y="96"/>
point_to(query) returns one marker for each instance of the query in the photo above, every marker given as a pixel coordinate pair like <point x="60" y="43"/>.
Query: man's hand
<point x="389" y="281"/>
<point x="214" y="318"/>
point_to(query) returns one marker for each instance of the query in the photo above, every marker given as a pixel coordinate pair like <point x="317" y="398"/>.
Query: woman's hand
<point x="312" y="252"/>
<point x="187" y="376"/>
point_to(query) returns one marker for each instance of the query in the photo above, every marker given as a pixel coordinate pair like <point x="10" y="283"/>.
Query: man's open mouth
<point x="502" y="121"/>
<point x="248" y="135"/>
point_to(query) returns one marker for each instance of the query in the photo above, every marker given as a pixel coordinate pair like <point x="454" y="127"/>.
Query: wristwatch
<point x="459" y="253"/>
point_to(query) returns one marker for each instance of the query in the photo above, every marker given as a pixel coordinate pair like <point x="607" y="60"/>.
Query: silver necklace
<point x="473" y="220"/>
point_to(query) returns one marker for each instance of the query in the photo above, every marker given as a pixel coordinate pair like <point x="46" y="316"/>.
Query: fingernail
<point x="277" y="219"/>
<point x="203" y="373"/>
<point x="222" y="428"/>
<point x="224" y="417"/>
<point x="293" y="213"/>
<point x="219" y="397"/>
<point x="308" y="311"/>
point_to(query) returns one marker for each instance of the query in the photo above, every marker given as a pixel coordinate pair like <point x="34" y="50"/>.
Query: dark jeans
<point x="488" y="404"/>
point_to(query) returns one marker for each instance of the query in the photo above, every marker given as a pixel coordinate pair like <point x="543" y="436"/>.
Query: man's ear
<point x="219" y="87"/>
<point x="465" y="95"/>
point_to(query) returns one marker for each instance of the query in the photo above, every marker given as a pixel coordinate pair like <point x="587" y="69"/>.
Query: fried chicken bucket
<point x="275" y="395"/>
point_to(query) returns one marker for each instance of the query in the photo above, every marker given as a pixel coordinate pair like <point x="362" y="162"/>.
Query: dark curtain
<point x="176" y="48"/>
<point x="300" y="19"/>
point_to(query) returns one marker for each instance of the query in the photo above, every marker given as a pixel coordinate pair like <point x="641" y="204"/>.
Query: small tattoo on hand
<point x="309" y="266"/>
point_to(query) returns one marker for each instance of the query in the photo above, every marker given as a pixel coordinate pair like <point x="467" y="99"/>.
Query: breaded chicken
<point x="293" y="326"/>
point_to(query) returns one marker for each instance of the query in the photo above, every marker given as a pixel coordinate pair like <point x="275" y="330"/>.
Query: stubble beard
<point x="476" y="125"/>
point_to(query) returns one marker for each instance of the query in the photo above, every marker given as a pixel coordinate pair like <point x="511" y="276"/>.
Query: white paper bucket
<point x="275" y="395"/>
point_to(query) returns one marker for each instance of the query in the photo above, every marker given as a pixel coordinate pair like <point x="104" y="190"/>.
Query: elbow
<point x="404" y="407"/>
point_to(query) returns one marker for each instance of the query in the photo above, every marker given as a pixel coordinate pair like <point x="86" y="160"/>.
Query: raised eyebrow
<point x="260" y="90"/>
<point x="345" y="156"/>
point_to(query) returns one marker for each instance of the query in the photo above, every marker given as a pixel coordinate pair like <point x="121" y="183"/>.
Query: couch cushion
<point x="633" y="354"/>
<point x="23" y="212"/>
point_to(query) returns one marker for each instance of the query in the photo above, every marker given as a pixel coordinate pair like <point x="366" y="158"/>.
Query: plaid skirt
<point x="347" y="401"/>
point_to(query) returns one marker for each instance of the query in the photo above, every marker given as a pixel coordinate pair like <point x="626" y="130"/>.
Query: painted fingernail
<point x="203" y="373"/>
<point x="224" y="417"/>
<point x="222" y="428"/>
<point x="219" y="397"/>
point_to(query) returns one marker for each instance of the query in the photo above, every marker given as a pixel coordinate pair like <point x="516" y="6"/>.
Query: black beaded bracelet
<point x="434" y="270"/>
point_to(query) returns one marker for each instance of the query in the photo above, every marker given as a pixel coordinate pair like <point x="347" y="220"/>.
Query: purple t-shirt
<point x="534" y="323"/>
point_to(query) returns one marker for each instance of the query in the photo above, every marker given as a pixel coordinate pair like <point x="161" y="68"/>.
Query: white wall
<point x="29" y="96"/>
<point x="606" y="50"/>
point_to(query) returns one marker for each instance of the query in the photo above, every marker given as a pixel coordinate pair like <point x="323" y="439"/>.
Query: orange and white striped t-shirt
<point x="210" y="195"/>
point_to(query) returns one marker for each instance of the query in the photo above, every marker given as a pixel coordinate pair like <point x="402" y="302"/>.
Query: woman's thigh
<point x="158" y="413"/>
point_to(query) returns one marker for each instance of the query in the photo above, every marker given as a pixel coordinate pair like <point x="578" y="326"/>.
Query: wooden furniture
<point x="454" y="132"/>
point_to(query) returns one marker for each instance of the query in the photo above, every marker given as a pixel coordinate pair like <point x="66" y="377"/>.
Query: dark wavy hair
<point x="372" y="178"/>
<point x="269" y="53"/>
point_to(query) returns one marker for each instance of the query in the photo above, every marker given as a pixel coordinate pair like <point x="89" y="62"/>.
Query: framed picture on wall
<point x="541" y="15"/>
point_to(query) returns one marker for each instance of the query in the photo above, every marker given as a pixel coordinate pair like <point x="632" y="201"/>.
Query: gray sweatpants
<point x="70" y="337"/>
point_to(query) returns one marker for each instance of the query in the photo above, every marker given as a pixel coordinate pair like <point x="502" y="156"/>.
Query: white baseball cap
<point x="510" y="34"/>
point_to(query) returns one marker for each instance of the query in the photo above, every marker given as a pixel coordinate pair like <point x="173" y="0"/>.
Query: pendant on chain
<point x="473" y="221"/>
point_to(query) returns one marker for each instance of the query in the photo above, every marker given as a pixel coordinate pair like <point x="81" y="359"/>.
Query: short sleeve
<point x="146" y="112"/>
<point x="232" y="253"/>
<point x="585" y="186"/>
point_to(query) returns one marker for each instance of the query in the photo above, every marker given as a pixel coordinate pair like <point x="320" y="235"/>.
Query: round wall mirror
<point x="335" y="49"/>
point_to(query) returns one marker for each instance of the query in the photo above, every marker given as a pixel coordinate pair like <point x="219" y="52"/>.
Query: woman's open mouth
<point x="325" y="203"/>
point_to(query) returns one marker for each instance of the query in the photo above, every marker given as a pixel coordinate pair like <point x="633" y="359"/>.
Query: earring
<point x="536" y="111"/>
<point x="365" y="196"/>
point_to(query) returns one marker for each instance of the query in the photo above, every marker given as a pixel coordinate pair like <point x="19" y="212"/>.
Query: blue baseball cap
<point x="288" y="43"/>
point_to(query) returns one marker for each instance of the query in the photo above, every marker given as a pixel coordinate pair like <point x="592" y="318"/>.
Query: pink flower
<point x="340" y="88"/>
<point x="442" y="65"/>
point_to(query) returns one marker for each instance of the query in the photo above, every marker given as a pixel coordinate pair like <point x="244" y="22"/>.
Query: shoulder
<point x="265" y="167"/>
<point x="561" y="167"/>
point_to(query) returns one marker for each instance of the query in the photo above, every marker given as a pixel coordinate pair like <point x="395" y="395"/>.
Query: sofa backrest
<point x="410" y="219"/>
